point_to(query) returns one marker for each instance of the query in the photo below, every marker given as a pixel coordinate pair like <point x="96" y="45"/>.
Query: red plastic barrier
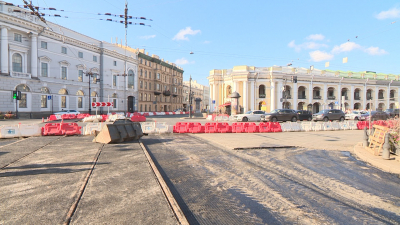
<point x="275" y="127"/>
<point x="70" y="129"/>
<point x="380" y="123"/>
<point x="72" y="116"/>
<point x="65" y="116"/>
<point x="166" y="113"/>
<point x="362" y="124"/>
<point x="264" y="127"/>
<point x="210" y="128"/>
<point x="195" y="128"/>
<point x="138" y="119"/>
<point x="181" y="127"/>
<point x="52" y="129"/>
<point x="146" y="114"/>
<point x="250" y="127"/>
<point x="224" y="128"/>
<point x="52" y="117"/>
<point x="237" y="128"/>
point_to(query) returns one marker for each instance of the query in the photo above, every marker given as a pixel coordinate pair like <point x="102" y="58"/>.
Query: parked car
<point x="355" y="115"/>
<point x="329" y="114"/>
<point x="375" y="115"/>
<point x="280" y="115"/>
<point x="392" y="112"/>
<point x="252" y="115"/>
<point x="70" y="111"/>
<point x="304" y="115"/>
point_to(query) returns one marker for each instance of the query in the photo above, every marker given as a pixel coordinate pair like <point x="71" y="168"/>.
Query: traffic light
<point x="17" y="95"/>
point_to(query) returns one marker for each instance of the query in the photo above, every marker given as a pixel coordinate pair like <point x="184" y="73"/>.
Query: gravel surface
<point x="217" y="185"/>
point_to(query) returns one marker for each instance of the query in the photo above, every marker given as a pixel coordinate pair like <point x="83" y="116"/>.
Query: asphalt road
<point x="216" y="185"/>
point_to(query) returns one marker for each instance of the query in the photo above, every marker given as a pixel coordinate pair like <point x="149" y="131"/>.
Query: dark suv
<point x="304" y="115"/>
<point x="280" y="115"/>
<point x="392" y="112"/>
<point x="329" y="114"/>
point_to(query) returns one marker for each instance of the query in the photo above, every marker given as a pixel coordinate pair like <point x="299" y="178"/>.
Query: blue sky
<point x="222" y="34"/>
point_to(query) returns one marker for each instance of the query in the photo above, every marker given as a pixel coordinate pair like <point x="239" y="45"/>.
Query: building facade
<point x="54" y="68"/>
<point x="199" y="91"/>
<point x="269" y="88"/>
<point x="160" y="84"/>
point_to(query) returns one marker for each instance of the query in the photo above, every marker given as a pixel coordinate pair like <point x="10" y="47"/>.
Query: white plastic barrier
<point x="344" y="125"/>
<point x="306" y="126"/>
<point x="294" y="126"/>
<point x="335" y="125"/>
<point x="91" y="127"/>
<point x="112" y="118"/>
<point x="9" y="131"/>
<point x="92" y="118"/>
<point x="317" y="126"/>
<point x="209" y="117"/>
<point x="353" y="125"/>
<point x="163" y="128"/>
<point x="28" y="130"/>
<point x="148" y="127"/>
<point x="286" y="127"/>
<point x="327" y="126"/>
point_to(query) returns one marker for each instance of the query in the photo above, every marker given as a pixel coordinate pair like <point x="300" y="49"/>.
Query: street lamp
<point x="190" y="96"/>
<point x="91" y="75"/>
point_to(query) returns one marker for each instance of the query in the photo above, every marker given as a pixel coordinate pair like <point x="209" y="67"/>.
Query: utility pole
<point x="190" y="96"/>
<point x="90" y="75"/>
<point x="126" y="45"/>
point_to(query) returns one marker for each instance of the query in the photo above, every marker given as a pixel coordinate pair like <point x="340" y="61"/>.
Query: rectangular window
<point x="63" y="101"/>
<point x="94" y="58"/>
<point x="44" y="70"/>
<point x="145" y="85"/>
<point x="114" y="80"/>
<point x="141" y="84"/>
<point x="158" y="87"/>
<point x="150" y="64"/>
<point x="43" y="101"/>
<point x="149" y="75"/>
<point x="22" y="102"/>
<point x="115" y="63"/>
<point x="17" y="37"/>
<point x="43" y="44"/>
<point x="80" y="54"/>
<point x="80" y="75"/>
<point x="149" y="86"/>
<point x="63" y="72"/>
<point x="115" y="103"/>
<point x="80" y="103"/>
<point x="64" y="50"/>
<point x="158" y="76"/>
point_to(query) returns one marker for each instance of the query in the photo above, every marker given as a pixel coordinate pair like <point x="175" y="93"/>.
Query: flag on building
<point x="345" y="60"/>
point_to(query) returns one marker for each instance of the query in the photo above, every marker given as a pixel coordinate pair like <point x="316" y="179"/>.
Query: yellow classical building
<point x="269" y="88"/>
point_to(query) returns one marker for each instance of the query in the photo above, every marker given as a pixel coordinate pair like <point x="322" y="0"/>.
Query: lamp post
<point x="190" y="96"/>
<point x="90" y="75"/>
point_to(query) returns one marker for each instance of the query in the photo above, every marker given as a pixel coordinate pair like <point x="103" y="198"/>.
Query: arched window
<point x="43" y="100"/>
<point x="17" y="62"/>
<point x="63" y="98"/>
<point x="114" y="97"/>
<point x="80" y="99"/>
<point x="63" y="92"/>
<point x="23" y="103"/>
<point x="131" y="79"/>
<point x="261" y="91"/>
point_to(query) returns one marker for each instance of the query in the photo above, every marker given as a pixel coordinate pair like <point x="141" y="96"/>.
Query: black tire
<point x="294" y="119"/>
<point x="325" y="119"/>
<point x="274" y="119"/>
<point x="245" y="119"/>
<point x="341" y="119"/>
<point x="309" y="118"/>
<point x="356" y="118"/>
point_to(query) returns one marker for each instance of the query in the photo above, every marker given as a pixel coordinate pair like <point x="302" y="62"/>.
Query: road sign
<point x="108" y="103"/>
<point x="103" y="104"/>
<point x="213" y="102"/>
<point x="336" y="103"/>
<point x="98" y="104"/>
<point x="48" y="97"/>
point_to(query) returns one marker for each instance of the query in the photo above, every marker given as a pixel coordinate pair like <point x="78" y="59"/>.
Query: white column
<point x="4" y="50"/>
<point x="340" y="97"/>
<point x="214" y="96"/>
<point x="280" y="95"/>
<point x="236" y="86"/>
<point x="273" y="97"/>
<point x="245" y="96"/>
<point x="310" y="93"/>
<point x="34" y="57"/>
<point x="351" y="96"/>
<point x="388" y="98"/>
<point x="295" y="94"/>
<point x="375" y="98"/>
<point x="252" y="95"/>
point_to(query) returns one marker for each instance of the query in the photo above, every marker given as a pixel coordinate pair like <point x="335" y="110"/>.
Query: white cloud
<point x="390" y="14"/>
<point x="318" y="56"/>
<point x="183" y="61"/>
<point x="206" y="42"/>
<point x="148" y="36"/>
<point x="181" y="35"/>
<point x="316" y="37"/>
<point x="345" y="47"/>
<point x="306" y="45"/>
<point x="375" y="51"/>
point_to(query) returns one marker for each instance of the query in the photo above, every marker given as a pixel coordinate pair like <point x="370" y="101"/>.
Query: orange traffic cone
<point x="42" y="119"/>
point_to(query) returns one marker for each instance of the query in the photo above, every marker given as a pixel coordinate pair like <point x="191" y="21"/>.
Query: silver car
<point x="329" y="114"/>
<point x="355" y="115"/>
<point x="252" y="115"/>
